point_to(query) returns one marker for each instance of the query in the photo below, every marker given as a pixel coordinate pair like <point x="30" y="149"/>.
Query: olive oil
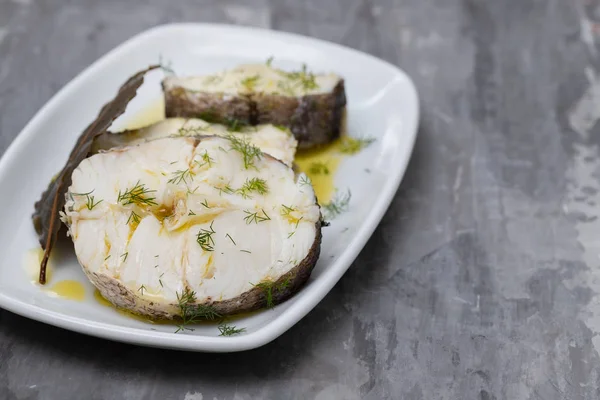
<point x="320" y="165"/>
<point x="103" y="302"/>
<point x="68" y="289"/>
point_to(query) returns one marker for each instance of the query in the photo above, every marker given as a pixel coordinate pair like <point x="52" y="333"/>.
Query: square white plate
<point x="382" y="103"/>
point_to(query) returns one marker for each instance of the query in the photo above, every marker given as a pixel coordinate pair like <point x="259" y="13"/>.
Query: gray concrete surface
<point x="483" y="279"/>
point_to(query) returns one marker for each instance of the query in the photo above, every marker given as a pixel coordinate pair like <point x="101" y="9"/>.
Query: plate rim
<point x="294" y="313"/>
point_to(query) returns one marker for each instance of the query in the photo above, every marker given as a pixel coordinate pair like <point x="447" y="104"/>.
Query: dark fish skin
<point x="313" y="119"/>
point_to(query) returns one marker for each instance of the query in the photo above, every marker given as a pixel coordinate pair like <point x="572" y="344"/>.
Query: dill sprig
<point x="255" y="217"/>
<point x="350" y="145"/>
<point x="133" y="217"/>
<point x="304" y="180"/>
<point x="142" y="289"/>
<point x="230" y="330"/>
<point x="205" y="203"/>
<point x="139" y="195"/>
<point x="234" y="124"/>
<point x="286" y="211"/>
<point x="167" y="67"/>
<point x="205" y="239"/>
<point x="249" y="152"/>
<point x="124" y="256"/>
<point x="270" y="288"/>
<point x="90" y="203"/>
<point x="338" y="204"/>
<point x="227" y="189"/>
<point x="206" y="160"/>
<point x="250" y="82"/>
<point x="319" y="168"/>
<point x="181" y="176"/>
<point x="230" y="238"/>
<point x="303" y="78"/>
<point x="253" y="185"/>
<point x="193" y="313"/>
<point x="190" y="213"/>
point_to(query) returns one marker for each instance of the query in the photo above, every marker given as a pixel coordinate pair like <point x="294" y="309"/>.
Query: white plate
<point x="382" y="103"/>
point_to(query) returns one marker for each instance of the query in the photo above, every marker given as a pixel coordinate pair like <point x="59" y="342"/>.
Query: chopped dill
<point x="250" y="82"/>
<point x="234" y="124"/>
<point x="166" y="67"/>
<point x="133" y="217"/>
<point x="124" y="255"/>
<point x="90" y="203"/>
<point x="227" y="189"/>
<point x="253" y="185"/>
<point x="160" y="279"/>
<point x="230" y="238"/>
<point x="190" y="213"/>
<point x="142" y="289"/>
<point x="270" y="288"/>
<point x="286" y="211"/>
<point x="302" y="78"/>
<point x="193" y="313"/>
<point x="350" y="145"/>
<point x="205" y="239"/>
<point x="319" y="168"/>
<point x="249" y="152"/>
<point x="207" y="160"/>
<point x="246" y="251"/>
<point x="229" y="330"/>
<point x="192" y="191"/>
<point x="255" y="217"/>
<point x="205" y="203"/>
<point x="107" y="257"/>
<point x="338" y="204"/>
<point x="138" y="195"/>
<point x="291" y="234"/>
<point x="304" y="180"/>
<point x="181" y="176"/>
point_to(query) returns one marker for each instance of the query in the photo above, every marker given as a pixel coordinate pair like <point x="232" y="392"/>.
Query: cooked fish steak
<point x="273" y="140"/>
<point x="311" y="105"/>
<point x="206" y="215"/>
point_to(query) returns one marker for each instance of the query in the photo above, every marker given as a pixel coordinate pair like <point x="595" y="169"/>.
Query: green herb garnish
<point x="338" y="204"/>
<point x="181" y="176"/>
<point x="350" y="145"/>
<point x="255" y="217"/>
<point x="249" y="152"/>
<point x="256" y="185"/>
<point x="205" y="240"/>
<point x="138" y="195"/>
<point x="228" y="330"/>
<point x="192" y="313"/>
<point x="230" y="238"/>
<point x="250" y="82"/>
<point x="90" y="203"/>
<point x="133" y="217"/>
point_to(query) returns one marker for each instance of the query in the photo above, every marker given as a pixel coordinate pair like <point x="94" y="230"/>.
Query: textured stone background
<point x="483" y="279"/>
